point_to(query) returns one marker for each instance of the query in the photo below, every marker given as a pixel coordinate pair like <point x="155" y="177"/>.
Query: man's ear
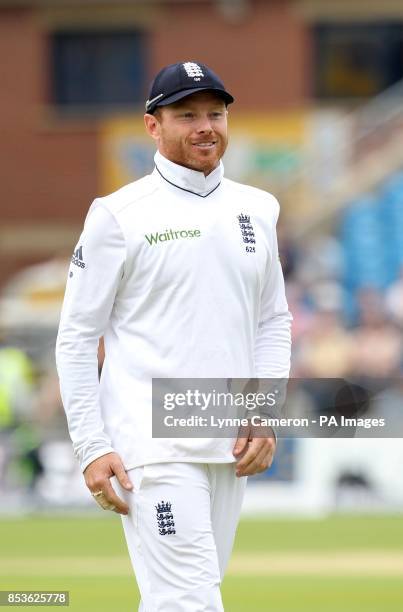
<point x="152" y="125"/>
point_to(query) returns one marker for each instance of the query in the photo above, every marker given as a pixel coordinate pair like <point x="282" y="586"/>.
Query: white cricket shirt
<point x="180" y="273"/>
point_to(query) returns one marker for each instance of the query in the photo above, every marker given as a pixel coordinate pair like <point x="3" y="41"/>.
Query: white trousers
<point x="179" y="531"/>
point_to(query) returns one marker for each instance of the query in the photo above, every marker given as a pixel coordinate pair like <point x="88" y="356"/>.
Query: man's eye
<point x="187" y="115"/>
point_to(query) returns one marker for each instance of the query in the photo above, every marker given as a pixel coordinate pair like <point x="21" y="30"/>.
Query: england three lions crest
<point x="247" y="232"/>
<point x="165" y="518"/>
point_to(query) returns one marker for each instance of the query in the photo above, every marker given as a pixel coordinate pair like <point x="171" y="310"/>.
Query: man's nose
<point x="204" y="124"/>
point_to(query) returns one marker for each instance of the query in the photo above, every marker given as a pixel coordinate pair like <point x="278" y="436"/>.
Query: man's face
<point x="191" y="132"/>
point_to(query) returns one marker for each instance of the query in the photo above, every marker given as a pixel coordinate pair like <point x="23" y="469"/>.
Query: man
<point x="180" y="273"/>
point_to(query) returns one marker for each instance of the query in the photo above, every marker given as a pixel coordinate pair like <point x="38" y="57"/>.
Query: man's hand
<point x="254" y="450"/>
<point x="97" y="478"/>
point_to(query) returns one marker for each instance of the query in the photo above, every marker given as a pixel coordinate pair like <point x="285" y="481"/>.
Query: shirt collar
<point x="187" y="179"/>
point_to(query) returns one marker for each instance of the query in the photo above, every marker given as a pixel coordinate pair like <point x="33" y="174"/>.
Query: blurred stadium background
<point x="318" y="121"/>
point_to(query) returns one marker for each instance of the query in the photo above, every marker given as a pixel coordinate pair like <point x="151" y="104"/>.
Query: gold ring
<point x="105" y="505"/>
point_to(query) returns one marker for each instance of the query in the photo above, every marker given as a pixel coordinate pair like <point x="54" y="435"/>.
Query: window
<point x="98" y="69"/>
<point x="357" y="60"/>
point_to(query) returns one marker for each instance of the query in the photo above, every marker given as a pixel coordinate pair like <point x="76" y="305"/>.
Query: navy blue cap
<point x="177" y="81"/>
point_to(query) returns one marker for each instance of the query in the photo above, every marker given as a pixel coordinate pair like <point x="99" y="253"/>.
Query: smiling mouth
<point x="205" y="145"/>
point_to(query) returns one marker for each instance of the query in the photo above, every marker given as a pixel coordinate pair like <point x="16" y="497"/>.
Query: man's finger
<point x="102" y="501"/>
<point x="242" y="440"/>
<point x="240" y="446"/>
<point x="254" y="458"/>
<point x="261" y="462"/>
<point x="255" y="446"/>
<point x="121" y="475"/>
<point x="120" y="506"/>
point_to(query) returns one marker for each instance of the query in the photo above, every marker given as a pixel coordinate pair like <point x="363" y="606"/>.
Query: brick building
<point x="68" y="64"/>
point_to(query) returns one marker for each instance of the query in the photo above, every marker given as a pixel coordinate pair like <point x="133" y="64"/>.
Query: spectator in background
<point x="16" y="386"/>
<point x="287" y="251"/>
<point x="394" y="300"/>
<point x="377" y="344"/>
<point x="325" y="349"/>
<point x="303" y="315"/>
<point x="19" y="438"/>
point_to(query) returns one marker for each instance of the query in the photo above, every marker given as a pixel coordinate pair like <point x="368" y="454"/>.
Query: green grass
<point x="333" y="533"/>
<point x="297" y="594"/>
<point x="43" y="541"/>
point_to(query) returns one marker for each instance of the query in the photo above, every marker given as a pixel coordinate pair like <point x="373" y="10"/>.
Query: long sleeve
<point x="273" y="339"/>
<point x="94" y="276"/>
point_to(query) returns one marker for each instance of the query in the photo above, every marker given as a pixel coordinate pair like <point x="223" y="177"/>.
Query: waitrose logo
<point x="172" y="235"/>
